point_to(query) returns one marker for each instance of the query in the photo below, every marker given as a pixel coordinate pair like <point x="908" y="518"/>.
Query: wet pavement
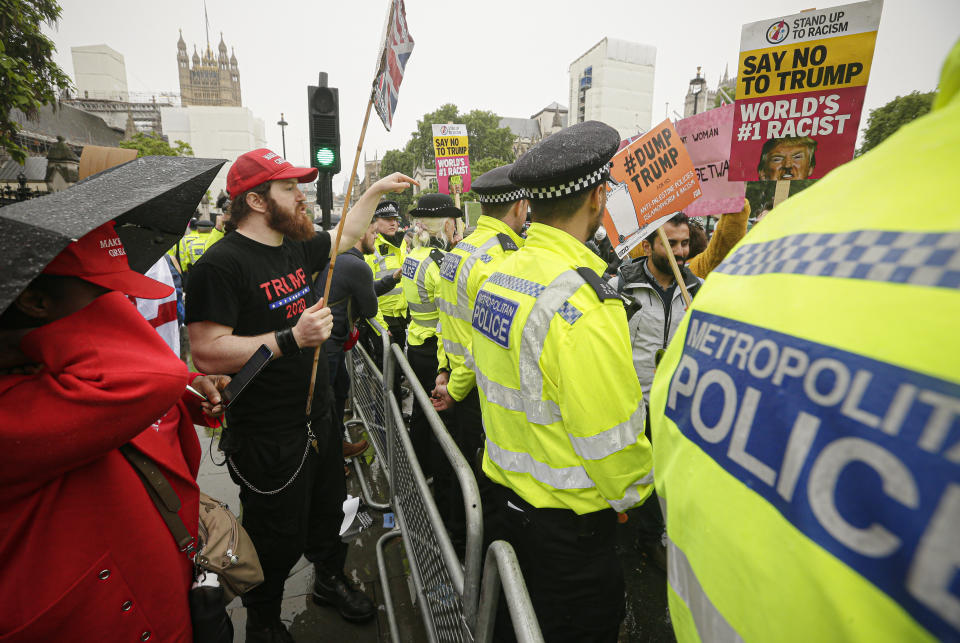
<point x="307" y="621"/>
<point x="646" y="612"/>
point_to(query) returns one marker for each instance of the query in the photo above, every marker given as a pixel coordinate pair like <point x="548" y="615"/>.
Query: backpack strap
<point x="162" y="495"/>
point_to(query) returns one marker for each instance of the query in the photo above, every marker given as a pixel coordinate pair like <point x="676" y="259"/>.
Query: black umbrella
<point x="151" y="199"/>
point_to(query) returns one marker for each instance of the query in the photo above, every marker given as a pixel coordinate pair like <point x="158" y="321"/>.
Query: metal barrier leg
<point x="385" y="584"/>
<point x="501" y="568"/>
<point x="365" y="489"/>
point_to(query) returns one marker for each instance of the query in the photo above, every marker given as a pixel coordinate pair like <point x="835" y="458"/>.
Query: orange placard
<point x="652" y="177"/>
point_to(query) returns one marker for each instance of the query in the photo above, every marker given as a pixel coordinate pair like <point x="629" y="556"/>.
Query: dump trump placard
<point x="707" y="137"/>
<point x="800" y="85"/>
<point x="451" y="149"/>
<point x="650" y="178"/>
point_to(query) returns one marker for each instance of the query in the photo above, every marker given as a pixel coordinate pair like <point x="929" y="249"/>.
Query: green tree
<point x="150" y="145"/>
<point x="29" y="78"/>
<point x="399" y="161"/>
<point x="487" y="139"/>
<point x="886" y="120"/>
<point x="420" y="144"/>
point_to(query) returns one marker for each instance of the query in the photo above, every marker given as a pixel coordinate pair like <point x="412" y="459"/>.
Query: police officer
<point x="434" y="224"/>
<point x="562" y="408"/>
<point x="464" y="269"/>
<point x="194" y="244"/>
<point x="386" y="259"/>
<point x="807" y="414"/>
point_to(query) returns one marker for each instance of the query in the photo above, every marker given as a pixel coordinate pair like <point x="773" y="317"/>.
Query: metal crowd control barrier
<point x="370" y="408"/>
<point x="447" y="593"/>
<point x="501" y="569"/>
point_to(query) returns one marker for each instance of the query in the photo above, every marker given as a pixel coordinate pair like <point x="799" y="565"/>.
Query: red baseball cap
<point x="100" y="258"/>
<point x="259" y="166"/>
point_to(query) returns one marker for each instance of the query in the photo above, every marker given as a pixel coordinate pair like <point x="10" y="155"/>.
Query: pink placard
<point x="707" y="137"/>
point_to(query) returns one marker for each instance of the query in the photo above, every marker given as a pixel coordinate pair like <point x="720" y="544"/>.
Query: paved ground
<point x="646" y="618"/>
<point x="309" y="622"/>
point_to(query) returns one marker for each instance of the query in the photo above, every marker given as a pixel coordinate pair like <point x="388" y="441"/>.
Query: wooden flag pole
<point x="336" y="246"/>
<point x="781" y="193"/>
<point x="673" y="264"/>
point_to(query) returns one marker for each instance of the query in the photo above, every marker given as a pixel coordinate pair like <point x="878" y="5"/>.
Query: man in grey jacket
<point x="654" y="315"/>
<point x="658" y="305"/>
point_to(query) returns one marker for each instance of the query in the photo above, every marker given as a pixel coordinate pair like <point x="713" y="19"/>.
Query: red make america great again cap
<point x="259" y="166"/>
<point x="100" y="258"/>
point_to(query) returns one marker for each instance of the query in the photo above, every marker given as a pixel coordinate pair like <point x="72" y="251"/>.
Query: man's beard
<point x="291" y="224"/>
<point x="662" y="263"/>
<point x="366" y="246"/>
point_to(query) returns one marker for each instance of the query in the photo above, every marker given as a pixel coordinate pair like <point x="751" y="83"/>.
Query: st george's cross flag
<point x="397" y="46"/>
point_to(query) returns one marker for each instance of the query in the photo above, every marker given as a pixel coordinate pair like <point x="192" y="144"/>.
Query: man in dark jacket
<point x="353" y="296"/>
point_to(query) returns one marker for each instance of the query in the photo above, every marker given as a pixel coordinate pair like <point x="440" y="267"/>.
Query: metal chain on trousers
<point x="311" y="437"/>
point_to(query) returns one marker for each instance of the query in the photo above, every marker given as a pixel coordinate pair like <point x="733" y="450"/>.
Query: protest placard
<point x="451" y="149"/>
<point x="652" y="177"/>
<point x="707" y="137"/>
<point x="800" y="86"/>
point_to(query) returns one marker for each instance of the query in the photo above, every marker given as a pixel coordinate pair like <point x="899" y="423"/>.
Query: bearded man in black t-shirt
<point x="252" y="288"/>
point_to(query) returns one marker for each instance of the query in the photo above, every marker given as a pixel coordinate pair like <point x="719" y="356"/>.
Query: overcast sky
<point x="507" y="56"/>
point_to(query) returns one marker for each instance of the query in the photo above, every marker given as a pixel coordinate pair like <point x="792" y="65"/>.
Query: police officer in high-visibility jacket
<point x="562" y="407"/>
<point x="386" y="259"/>
<point x="464" y="269"/>
<point x="434" y="224"/>
<point x="807" y="413"/>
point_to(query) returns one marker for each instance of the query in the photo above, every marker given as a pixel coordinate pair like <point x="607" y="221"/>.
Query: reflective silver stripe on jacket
<point x="632" y="495"/>
<point x="453" y="348"/>
<point x="710" y="623"/>
<point x="430" y="322"/>
<point x="608" y="442"/>
<point x="425" y="305"/>
<point x="521" y="462"/>
<point x="389" y="273"/>
<point x="550" y="299"/>
<point x="421" y="308"/>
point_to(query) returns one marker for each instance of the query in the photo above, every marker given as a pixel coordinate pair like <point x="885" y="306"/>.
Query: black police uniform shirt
<point x="255" y="289"/>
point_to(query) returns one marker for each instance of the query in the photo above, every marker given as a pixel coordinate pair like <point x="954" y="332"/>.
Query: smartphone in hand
<point x="246" y="374"/>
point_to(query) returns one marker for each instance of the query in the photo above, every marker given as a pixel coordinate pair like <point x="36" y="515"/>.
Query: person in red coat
<point x="84" y="553"/>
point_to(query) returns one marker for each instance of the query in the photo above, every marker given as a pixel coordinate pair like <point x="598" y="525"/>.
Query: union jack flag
<point x="394" y="54"/>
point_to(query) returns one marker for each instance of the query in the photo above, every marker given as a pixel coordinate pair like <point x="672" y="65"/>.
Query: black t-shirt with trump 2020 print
<point x="254" y="289"/>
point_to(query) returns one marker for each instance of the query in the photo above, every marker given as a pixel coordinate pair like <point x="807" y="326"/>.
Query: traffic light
<point x="323" y="111"/>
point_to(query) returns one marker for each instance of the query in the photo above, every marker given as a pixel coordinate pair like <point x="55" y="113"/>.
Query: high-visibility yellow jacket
<point x="421" y="274"/>
<point x="463" y="271"/>
<point x="385" y="260"/>
<point x="562" y="408"/>
<point x="806" y="416"/>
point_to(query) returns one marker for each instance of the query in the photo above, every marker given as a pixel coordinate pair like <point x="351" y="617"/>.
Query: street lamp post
<point x="282" y="123"/>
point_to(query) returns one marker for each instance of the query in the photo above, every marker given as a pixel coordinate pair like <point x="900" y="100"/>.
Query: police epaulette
<point x="384" y="248"/>
<point x="506" y="242"/>
<point x="437" y="256"/>
<point x="602" y="288"/>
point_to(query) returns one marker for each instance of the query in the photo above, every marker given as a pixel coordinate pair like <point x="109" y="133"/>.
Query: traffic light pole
<point x="325" y="198"/>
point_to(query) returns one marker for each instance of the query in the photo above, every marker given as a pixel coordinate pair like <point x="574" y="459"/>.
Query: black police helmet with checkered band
<point x="495" y="186"/>
<point x="387" y="210"/>
<point x="436" y="206"/>
<point x="573" y="160"/>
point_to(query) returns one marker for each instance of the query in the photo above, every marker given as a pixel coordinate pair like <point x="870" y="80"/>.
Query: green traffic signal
<point x="325" y="157"/>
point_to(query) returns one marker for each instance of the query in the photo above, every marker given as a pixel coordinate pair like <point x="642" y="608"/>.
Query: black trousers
<point x="467" y="431"/>
<point x="423" y="361"/>
<point x="398" y="335"/>
<point x="571" y="568"/>
<point x="303" y="519"/>
<point x="340" y="383"/>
